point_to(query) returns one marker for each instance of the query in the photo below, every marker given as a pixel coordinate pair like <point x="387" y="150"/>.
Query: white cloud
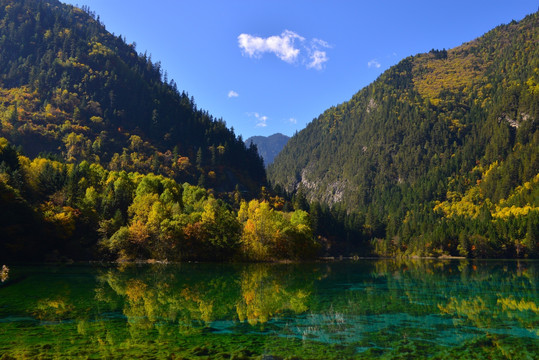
<point x="282" y="46"/>
<point x="289" y="47"/>
<point x="320" y="43"/>
<point x="318" y="58"/>
<point x="233" y="94"/>
<point x="293" y="120"/>
<point x="261" y="120"/>
<point x="374" y="63"/>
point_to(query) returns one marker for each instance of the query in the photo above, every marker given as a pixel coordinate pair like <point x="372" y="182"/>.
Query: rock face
<point x="268" y="146"/>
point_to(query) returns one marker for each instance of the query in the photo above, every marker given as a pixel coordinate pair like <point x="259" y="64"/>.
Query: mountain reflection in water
<point x="454" y="308"/>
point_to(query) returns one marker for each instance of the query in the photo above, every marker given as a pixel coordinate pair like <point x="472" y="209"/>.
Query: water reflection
<point x="417" y="302"/>
<point x="53" y="309"/>
<point x="266" y="293"/>
<point x="4" y="273"/>
<point x="357" y="309"/>
<point x="196" y="297"/>
<point x="152" y="294"/>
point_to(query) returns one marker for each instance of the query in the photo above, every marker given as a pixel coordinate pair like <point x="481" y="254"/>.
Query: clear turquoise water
<point x="364" y="309"/>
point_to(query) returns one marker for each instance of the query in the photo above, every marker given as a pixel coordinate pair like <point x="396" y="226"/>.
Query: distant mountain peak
<point x="268" y="146"/>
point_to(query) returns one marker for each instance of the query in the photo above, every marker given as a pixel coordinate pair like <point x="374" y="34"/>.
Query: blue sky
<point x="274" y="66"/>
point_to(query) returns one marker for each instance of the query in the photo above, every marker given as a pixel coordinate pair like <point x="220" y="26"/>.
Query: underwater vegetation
<point x="363" y="309"/>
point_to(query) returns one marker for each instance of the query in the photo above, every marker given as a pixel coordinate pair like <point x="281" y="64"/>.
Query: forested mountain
<point x="101" y="157"/>
<point x="440" y="155"/>
<point x="268" y="146"/>
<point x="70" y="89"/>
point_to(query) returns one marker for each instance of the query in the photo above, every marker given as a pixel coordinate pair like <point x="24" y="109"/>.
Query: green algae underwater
<point x="343" y="310"/>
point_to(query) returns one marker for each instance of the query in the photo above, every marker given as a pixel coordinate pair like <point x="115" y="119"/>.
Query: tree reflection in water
<point x="194" y="299"/>
<point x="344" y="309"/>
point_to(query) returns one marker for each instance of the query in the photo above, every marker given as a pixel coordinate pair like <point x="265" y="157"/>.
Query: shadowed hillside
<point x="71" y="89"/>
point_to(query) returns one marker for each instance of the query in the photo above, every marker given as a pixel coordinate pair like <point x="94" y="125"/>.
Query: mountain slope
<point x="103" y="152"/>
<point x="268" y="146"/>
<point x="70" y="88"/>
<point x="426" y="132"/>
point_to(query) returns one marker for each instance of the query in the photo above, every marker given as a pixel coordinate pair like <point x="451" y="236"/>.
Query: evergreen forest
<point x="103" y="157"/>
<point x="438" y="157"/>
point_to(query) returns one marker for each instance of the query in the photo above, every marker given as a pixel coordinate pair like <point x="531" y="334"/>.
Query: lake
<point x="361" y="309"/>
